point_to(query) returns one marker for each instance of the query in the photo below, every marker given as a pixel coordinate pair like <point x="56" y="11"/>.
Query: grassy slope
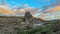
<point x="51" y="27"/>
<point x="46" y="29"/>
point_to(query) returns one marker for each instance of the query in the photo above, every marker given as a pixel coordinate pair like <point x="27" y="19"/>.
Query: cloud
<point x="57" y="8"/>
<point x="51" y="13"/>
<point x="48" y="16"/>
<point x="46" y="12"/>
<point x="5" y="6"/>
<point x="55" y="3"/>
<point x="26" y="5"/>
<point x="42" y="0"/>
<point x="21" y="10"/>
<point x="17" y="10"/>
<point x="54" y="9"/>
<point x="4" y="9"/>
<point x="6" y="12"/>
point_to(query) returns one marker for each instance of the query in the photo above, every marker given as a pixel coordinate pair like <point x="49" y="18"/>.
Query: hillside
<point x="28" y="25"/>
<point x="10" y="23"/>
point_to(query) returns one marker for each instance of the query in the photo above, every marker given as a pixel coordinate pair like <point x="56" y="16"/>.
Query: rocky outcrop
<point x="32" y="21"/>
<point x="29" y="18"/>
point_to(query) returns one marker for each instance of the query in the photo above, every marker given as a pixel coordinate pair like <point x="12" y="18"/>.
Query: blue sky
<point x="32" y="3"/>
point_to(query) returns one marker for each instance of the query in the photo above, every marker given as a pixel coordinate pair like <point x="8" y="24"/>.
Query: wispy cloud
<point x="51" y="11"/>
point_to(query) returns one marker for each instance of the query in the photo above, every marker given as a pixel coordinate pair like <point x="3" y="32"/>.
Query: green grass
<point x="11" y="16"/>
<point x="46" y="29"/>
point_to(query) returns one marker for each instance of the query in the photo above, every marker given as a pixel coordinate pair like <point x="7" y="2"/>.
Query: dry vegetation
<point x="15" y="25"/>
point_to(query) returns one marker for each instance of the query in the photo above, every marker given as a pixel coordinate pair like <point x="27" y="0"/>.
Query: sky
<point x="32" y="3"/>
<point x="45" y="9"/>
